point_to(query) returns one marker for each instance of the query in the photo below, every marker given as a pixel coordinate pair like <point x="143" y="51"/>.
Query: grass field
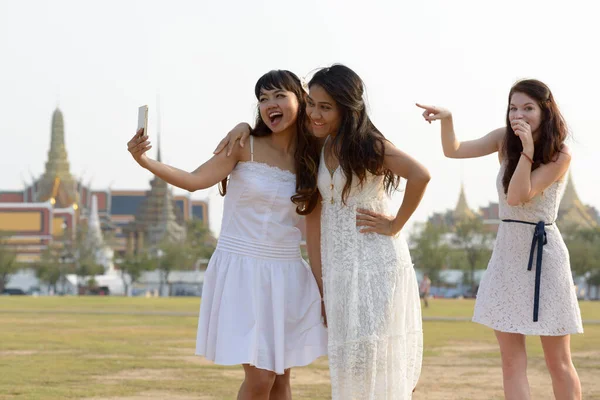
<point x="137" y="348"/>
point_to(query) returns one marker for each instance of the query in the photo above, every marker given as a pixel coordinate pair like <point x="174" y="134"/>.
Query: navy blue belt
<point x="539" y="239"/>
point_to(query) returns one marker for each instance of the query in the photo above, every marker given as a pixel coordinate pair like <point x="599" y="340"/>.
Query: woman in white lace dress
<point x="369" y="284"/>
<point x="528" y="286"/>
<point x="261" y="306"/>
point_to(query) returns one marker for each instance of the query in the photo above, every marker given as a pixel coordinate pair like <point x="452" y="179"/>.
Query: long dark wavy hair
<point x="553" y="130"/>
<point x="306" y="154"/>
<point x="359" y="145"/>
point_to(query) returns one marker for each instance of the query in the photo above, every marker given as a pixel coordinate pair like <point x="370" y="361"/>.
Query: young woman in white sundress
<point x="528" y="286"/>
<point x="370" y="288"/>
<point x="369" y="285"/>
<point x="261" y="305"/>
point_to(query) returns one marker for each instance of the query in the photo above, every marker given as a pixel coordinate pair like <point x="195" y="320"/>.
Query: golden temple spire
<point x="572" y="211"/>
<point x="570" y="198"/>
<point x="57" y="184"/>
<point x="462" y="209"/>
<point x="57" y="164"/>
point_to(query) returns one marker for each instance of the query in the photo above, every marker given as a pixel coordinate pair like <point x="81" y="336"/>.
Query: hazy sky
<point x="100" y="60"/>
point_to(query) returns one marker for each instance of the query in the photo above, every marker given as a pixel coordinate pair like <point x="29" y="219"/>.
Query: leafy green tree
<point x="472" y="238"/>
<point x="8" y="261"/>
<point x="132" y="267"/>
<point x="429" y="249"/>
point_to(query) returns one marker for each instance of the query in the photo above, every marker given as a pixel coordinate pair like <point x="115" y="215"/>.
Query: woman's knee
<point x="557" y="354"/>
<point x="259" y="381"/>
<point x="559" y="366"/>
<point x="515" y="361"/>
<point x="282" y="382"/>
<point x="513" y="352"/>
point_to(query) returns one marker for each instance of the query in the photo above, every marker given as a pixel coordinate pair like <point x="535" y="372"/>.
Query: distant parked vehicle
<point x="34" y="291"/>
<point x="437" y="292"/>
<point x="13" y="292"/>
<point x="464" y="292"/>
<point x="194" y="292"/>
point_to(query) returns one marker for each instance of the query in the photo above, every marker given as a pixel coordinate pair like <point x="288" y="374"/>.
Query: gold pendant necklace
<point x="331" y="173"/>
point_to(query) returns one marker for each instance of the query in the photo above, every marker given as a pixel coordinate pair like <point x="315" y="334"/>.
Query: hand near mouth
<point x="523" y="130"/>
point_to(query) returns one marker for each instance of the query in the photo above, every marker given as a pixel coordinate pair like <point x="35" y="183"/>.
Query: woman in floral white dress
<point x="528" y="286"/>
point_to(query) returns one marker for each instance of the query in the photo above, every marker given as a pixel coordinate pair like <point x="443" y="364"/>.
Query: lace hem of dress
<point x="542" y="330"/>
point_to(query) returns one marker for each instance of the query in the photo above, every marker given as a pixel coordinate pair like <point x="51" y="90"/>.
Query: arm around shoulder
<point x="208" y="174"/>
<point x="218" y="168"/>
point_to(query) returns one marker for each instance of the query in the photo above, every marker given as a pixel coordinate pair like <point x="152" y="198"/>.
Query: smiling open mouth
<point x="275" y="117"/>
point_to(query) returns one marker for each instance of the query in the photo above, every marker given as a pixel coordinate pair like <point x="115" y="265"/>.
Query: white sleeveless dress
<point x="508" y="299"/>
<point x="260" y="302"/>
<point x="371" y="297"/>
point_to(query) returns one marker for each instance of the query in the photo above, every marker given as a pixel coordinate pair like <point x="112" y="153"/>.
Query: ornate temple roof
<point x="462" y="209"/>
<point x="156" y="215"/>
<point x="57" y="184"/>
<point x="572" y="211"/>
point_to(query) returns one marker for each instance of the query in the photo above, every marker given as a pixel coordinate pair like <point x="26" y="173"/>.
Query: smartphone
<point x="143" y="119"/>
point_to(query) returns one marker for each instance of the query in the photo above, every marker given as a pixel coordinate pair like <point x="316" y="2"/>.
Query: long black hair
<point x="359" y="145"/>
<point x="553" y="129"/>
<point x="306" y="154"/>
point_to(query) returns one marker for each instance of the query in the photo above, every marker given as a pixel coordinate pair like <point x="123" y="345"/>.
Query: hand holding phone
<point x="142" y="120"/>
<point x="139" y="143"/>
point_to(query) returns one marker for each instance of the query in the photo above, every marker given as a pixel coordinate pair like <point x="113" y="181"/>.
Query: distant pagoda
<point x="156" y="220"/>
<point x="572" y="212"/>
<point x="57" y="185"/>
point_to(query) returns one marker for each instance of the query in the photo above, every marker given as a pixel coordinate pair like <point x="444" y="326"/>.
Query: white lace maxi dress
<point x="536" y="301"/>
<point x="371" y="298"/>
<point x="260" y="302"/>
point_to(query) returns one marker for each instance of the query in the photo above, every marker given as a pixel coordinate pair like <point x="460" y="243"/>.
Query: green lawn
<point x="63" y="348"/>
<point x="98" y="303"/>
